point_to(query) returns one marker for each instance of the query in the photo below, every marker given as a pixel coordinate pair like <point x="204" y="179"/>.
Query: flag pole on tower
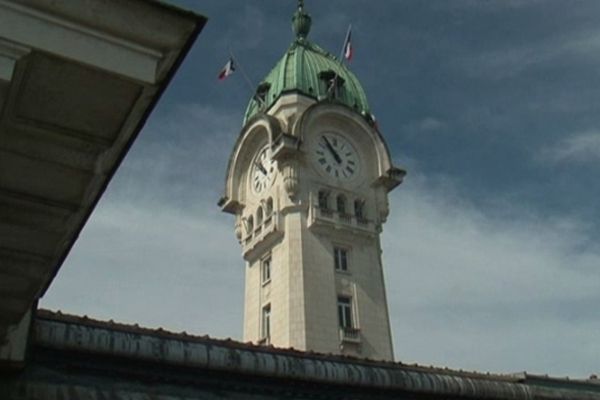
<point x="347" y="50"/>
<point x="233" y="65"/>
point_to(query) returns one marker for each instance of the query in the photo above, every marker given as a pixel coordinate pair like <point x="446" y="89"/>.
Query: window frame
<point x="265" y="323"/>
<point x="359" y="209"/>
<point x="259" y="216"/>
<point x="341" y="204"/>
<point x="323" y="199"/>
<point x="265" y="265"/>
<point x="338" y="265"/>
<point x="262" y="93"/>
<point x="249" y="225"/>
<point x="332" y="83"/>
<point x="345" y="311"/>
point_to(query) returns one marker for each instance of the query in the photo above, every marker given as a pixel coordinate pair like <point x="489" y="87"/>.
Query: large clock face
<point x="263" y="171"/>
<point x="335" y="155"/>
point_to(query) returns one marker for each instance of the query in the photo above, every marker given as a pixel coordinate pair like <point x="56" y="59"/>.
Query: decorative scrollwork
<point x="291" y="182"/>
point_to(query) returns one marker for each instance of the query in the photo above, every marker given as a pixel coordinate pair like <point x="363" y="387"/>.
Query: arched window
<point x="359" y="209"/>
<point x="269" y="207"/>
<point x="250" y="225"/>
<point x="341" y="204"/>
<point x="323" y="199"/>
<point x="259" y="216"/>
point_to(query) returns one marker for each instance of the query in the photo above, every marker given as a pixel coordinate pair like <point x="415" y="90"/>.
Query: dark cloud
<point x="491" y="250"/>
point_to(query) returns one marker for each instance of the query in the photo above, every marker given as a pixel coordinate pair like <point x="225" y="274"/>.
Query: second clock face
<point x="263" y="171"/>
<point x="334" y="154"/>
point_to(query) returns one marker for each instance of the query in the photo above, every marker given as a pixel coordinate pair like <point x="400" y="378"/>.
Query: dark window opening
<point x="359" y="209"/>
<point x="345" y="312"/>
<point x="266" y="324"/>
<point x="261" y="92"/>
<point x="332" y="83"/>
<point x="340" y="257"/>
<point x="341" y="204"/>
<point x="323" y="200"/>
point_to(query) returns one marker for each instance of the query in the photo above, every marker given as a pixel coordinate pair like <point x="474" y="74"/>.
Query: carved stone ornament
<point x="238" y="229"/>
<point x="291" y="181"/>
<point x="383" y="206"/>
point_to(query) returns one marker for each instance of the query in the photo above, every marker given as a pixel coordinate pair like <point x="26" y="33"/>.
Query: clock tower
<point x="307" y="182"/>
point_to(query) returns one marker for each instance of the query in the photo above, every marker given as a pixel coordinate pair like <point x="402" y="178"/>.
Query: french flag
<point x="348" y="50"/>
<point x="227" y="69"/>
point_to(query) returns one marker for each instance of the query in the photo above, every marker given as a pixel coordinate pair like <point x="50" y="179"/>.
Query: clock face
<point x="263" y="171"/>
<point x="335" y="155"/>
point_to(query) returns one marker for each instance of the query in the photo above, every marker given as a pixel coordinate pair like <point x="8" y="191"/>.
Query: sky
<point x="491" y="251"/>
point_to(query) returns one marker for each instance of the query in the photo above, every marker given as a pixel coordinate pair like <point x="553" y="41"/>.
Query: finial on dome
<point x="301" y="21"/>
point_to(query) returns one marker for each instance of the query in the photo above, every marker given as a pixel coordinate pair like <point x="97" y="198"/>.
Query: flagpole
<point x="246" y="78"/>
<point x="344" y="45"/>
<point x="341" y="59"/>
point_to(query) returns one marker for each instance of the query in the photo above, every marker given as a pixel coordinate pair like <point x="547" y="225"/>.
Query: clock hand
<point x="332" y="151"/>
<point x="261" y="168"/>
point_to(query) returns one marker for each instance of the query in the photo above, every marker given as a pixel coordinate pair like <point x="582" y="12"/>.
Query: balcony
<point x="327" y="218"/>
<point x="262" y="235"/>
<point x="326" y="212"/>
<point x="344" y="217"/>
<point x="350" y="335"/>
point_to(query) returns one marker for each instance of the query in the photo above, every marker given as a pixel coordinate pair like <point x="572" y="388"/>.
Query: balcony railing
<point x="329" y="216"/>
<point x="326" y="212"/>
<point x="267" y="230"/>
<point x="268" y="220"/>
<point x="344" y="217"/>
<point x="349" y="334"/>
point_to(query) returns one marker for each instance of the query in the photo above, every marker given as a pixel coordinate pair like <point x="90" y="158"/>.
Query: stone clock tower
<point x="307" y="182"/>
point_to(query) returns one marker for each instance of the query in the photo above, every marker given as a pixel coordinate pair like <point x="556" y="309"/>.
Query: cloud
<point x="155" y="267"/>
<point x="468" y="287"/>
<point x="508" y="62"/>
<point x="179" y="159"/>
<point x="247" y="30"/>
<point x="471" y="290"/>
<point x="157" y="251"/>
<point x="488" y="6"/>
<point x="579" y="148"/>
<point x="428" y="124"/>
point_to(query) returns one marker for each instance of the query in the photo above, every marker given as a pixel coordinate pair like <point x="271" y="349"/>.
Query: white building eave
<point x="78" y="80"/>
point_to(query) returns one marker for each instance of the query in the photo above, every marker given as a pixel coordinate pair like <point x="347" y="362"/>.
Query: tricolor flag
<point x="227" y="69"/>
<point x="348" y="51"/>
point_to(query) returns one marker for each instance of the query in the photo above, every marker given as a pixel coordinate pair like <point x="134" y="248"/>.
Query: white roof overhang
<point x="77" y="81"/>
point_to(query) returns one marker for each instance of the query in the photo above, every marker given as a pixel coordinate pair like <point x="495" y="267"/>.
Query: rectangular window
<point x="266" y="270"/>
<point x="344" y="305"/>
<point x="266" y="324"/>
<point x="359" y="209"/>
<point x="340" y="256"/>
<point x="323" y="200"/>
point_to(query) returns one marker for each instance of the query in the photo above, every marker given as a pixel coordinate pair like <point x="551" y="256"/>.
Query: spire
<point x="301" y="21"/>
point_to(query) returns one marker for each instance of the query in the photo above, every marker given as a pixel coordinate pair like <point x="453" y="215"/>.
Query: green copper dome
<point x="308" y="69"/>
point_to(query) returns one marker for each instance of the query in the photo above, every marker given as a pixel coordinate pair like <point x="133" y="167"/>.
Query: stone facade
<point x="286" y="224"/>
